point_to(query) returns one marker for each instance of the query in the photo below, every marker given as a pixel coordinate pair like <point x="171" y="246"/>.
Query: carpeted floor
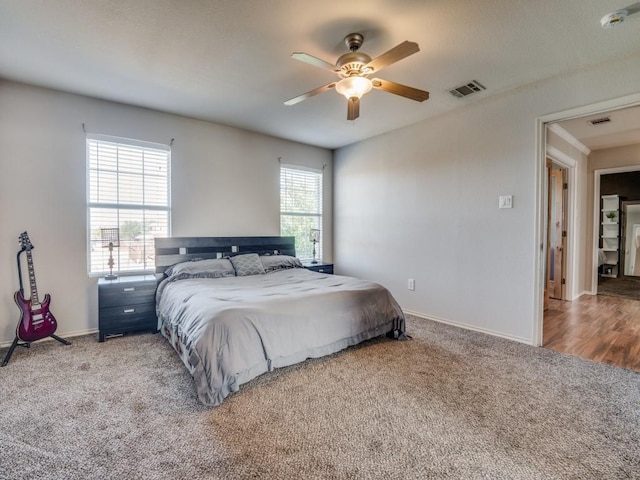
<point x="448" y="404"/>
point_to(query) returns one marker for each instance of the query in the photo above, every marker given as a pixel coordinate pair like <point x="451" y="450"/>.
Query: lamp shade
<point x="314" y="235"/>
<point x="353" y="87"/>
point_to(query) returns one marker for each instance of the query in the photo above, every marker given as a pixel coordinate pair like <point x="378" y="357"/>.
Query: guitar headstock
<point x="25" y="243"/>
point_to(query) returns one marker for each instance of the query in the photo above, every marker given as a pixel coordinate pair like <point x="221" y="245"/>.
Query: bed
<point x="234" y="308"/>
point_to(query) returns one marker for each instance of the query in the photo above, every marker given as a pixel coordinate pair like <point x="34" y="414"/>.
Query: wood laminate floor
<point x="597" y="327"/>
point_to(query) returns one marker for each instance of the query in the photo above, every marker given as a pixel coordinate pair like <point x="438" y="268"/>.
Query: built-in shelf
<point x="610" y="235"/>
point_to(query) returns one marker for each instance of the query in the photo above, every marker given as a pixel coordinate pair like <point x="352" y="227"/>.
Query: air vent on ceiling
<point x="468" y="89"/>
<point x="599" y="121"/>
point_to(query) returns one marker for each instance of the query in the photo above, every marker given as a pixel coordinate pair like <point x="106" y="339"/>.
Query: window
<point x="128" y="202"/>
<point x="301" y="207"/>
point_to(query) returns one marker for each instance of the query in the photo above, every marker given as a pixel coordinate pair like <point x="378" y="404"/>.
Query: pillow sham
<point x="212" y="268"/>
<point x="272" y="263"/>
<point x="247" y="264"/>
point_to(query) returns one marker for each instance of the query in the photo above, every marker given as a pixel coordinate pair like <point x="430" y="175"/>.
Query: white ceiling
<point x="229" y="61"/>
<point x="624" y="129"/>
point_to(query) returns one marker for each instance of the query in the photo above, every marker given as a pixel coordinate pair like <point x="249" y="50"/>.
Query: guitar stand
<point x="16" y="340"/>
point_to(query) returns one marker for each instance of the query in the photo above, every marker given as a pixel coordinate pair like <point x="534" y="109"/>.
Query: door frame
<point x="596" y="219"/>
<point x="540" y="233"/>
<point x="623" y="235"/>
<point x="570" y="222"/>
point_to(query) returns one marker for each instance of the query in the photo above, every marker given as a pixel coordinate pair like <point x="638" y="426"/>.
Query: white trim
<point x="560" y="157"/>
<point x="293" y="166"/>
<point x="539" y="233"/>
<point x="75" y="333"/>
<point x="128" y="141"/>
<point x="600" y="107"/>
<point x="540" y="192"/>
<point x="469" y="327"/>
<point x="570" y="139"/>
<point x="596" y="218"/>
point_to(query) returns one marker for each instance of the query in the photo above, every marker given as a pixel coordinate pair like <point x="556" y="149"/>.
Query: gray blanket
<point x="230" y="330"/>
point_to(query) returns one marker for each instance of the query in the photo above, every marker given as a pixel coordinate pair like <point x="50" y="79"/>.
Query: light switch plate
<point x="505" y="201"/>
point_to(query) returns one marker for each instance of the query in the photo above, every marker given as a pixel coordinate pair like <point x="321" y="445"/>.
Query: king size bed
<point x="236" y="307"/>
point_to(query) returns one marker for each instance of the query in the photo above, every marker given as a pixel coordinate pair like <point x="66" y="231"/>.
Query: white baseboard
<point x="64" y="335"/>
<point x="470" y="327"/>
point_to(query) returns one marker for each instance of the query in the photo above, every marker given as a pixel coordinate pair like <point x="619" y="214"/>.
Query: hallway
<point x="597" y="327"/>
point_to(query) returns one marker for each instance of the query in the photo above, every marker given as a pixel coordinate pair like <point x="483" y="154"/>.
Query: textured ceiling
<point x="624" y="129"/>
<point x="229" y="61"/>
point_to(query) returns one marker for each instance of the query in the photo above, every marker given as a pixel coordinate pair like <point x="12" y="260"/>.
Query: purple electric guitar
<point x="36" y="321"/>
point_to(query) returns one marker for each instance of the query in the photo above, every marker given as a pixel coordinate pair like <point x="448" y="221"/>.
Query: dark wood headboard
<point x="172" y="250"/>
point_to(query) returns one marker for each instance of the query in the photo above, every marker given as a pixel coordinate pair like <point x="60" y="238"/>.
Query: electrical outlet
<point x="411" y="284"/>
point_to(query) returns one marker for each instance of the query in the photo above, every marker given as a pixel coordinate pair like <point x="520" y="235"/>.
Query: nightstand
<point x="126" y="304"/>
<point x="319" y="267"/>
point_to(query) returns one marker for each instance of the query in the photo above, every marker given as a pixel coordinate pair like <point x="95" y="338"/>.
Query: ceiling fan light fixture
<point x="353" y="87"/>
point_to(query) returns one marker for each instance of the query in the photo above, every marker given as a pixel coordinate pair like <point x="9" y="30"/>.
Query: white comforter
<point x="230" y="330"/>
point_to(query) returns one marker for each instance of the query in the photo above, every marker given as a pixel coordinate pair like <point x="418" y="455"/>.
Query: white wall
<point x="422" y="202"/>
<point x="225" y="181"/>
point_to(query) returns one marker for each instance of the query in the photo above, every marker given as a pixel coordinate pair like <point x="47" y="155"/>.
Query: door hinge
<point x="564" y="281"/>
<point x="565" y="186"/>
<point x="564" y="233"/>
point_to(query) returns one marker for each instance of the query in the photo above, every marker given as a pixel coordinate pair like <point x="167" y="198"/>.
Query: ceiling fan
<point x="617" y="17"/>
<point x="355" y="68"/>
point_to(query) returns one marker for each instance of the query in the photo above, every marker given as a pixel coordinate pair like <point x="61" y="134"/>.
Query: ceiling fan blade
<point x="399" y="89"/>
<point x="633" y="8"/>
<point x="353" y="108"/>
<point x="398" y="52"/>
<point x="315" y="61"/>
<point x="312" y="93"/>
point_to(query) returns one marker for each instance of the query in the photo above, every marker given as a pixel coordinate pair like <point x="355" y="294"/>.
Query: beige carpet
<point x="448" y="404"/>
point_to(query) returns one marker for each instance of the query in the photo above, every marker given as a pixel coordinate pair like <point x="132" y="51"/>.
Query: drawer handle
<point x="129" y="289"/>
<point x="321" y="270"/>
<point x="129" y="310"/>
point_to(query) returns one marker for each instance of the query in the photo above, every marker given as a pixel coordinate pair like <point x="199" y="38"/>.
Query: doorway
<point x="557" y="188"/>
<point x="575" y="252"/>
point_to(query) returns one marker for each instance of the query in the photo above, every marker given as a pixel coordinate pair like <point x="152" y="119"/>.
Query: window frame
<point x="319" y="172"/>
<point x="126" y="142"/>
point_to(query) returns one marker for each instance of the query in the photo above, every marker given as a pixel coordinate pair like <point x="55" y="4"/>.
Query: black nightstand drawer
<point x="125" y="294"/>
<point x="131" y="323"/>
<point x="122" y="312"/>
<point x="320" y="267"/>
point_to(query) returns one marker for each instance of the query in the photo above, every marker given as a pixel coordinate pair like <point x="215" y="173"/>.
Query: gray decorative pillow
<point x="273" y="263"/>
<point x="247" y="264"/>
<point x="214" y="268"/>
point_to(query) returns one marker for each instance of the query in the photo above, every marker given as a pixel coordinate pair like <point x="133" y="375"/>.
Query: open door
<point x="556" y="232"/>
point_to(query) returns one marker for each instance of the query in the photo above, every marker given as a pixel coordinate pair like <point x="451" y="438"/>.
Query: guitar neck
<point x="32" y="279"/>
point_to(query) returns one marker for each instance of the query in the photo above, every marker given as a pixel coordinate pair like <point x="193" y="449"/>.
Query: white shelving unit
<point x="610" y="236"/>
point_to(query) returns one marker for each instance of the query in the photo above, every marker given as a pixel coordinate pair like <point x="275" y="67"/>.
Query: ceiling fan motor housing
<point x="352" y="63"/>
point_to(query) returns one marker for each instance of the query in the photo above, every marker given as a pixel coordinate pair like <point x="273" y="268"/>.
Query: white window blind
<point x="301" y="207"/>
<point x="128" y="202"/>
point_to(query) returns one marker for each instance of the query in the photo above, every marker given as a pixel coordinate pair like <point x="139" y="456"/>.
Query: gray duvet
<point x="230" y="330"/>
